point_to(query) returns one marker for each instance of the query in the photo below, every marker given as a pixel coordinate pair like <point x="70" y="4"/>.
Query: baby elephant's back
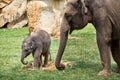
<point x="45" y="39"/>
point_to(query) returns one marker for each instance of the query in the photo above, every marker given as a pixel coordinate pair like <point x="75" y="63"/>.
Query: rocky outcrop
<point x="4" y="3"/>
<point x="19" y="23"/>
<point x="12" y="12"/>
<point x="43" y="14"/>
<point x="58" y="6"/>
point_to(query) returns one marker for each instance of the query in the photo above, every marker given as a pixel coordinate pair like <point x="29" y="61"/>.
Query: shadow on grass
<point x="83" y="64"/>
<point x="90" y="66"/>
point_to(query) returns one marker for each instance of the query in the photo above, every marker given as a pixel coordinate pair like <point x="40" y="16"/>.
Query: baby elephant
<point x="38" y="43"/>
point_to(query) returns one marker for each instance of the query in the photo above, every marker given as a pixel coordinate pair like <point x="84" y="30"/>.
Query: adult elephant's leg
<point x="115" y="53"/>
<point x="104" y="29"/>
<point x="104" y="48"/>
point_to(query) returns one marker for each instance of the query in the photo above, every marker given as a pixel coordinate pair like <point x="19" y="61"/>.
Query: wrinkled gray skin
<point x="105" y="16"/>
<point x="38" y="43"/>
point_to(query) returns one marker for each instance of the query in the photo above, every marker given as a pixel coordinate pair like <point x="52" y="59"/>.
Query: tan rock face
<point x="43" y="14"/>
<point x="13" y="11"/>
<point x="58" y="6"/>
<point x="33" y="13"/>
<point x="4" y="3"/>
<point x="40" y="15"/>
<point x="19" y="23"/>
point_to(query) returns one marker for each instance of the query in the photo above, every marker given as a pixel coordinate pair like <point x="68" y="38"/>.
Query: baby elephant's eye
<point x="26" y="49"/>
<point x="31" y="47"/>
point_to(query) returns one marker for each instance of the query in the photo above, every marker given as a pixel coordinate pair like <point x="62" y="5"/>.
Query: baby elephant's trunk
<point x="22" y="60"/>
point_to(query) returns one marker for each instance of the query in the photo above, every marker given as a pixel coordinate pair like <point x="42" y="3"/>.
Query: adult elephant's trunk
<point x="63" y="40"/>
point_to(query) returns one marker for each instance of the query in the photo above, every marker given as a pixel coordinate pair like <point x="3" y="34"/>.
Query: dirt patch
<point x="73" y="37"/>
<point x="69" y="37"/>
<point x="50" y="66"/>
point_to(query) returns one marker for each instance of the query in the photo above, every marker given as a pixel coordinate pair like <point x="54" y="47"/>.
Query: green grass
<point x="82" y="51"/>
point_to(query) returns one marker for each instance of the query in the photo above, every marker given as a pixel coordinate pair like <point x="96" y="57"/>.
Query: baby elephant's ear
<point x="33" y="45"/>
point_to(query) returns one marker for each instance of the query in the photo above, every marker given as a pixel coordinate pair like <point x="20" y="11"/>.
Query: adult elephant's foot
<point x="105" y="73"/>
<point x="60" y="67"/>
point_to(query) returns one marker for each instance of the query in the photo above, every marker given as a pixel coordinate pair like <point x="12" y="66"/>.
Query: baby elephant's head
<point x="28" y="46"/>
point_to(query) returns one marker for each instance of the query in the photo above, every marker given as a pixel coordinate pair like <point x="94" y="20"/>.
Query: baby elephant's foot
<point x="37" y="68"/>
<point x="44" y="65"/>
<point x="105" y="73"/>
<point x="118" y="70"/>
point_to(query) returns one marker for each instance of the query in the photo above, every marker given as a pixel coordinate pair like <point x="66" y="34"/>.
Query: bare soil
<point x="70" y="37"/>
<point x="50" y="66"/>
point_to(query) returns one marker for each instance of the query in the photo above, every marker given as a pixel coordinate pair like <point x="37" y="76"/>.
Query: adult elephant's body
<point x="105" y="16"/>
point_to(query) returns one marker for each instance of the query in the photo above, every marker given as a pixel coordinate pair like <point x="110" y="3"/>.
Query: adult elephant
<point x="105" y="16"/>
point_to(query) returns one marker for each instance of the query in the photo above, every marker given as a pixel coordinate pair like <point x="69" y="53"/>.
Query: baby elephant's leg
<point x="46" y="59"/>
<point x="37" y="61"/>
<point x="49" y="56"/>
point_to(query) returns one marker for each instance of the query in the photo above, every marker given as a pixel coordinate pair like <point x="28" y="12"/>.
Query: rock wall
<point x="12" y="11"/>
<point x="58" y="7"/>
<point x="43" y="14"/>
<point x="40" y="15"/>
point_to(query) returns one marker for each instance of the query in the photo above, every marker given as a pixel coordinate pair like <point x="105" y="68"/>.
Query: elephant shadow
<point x="85" y="66"/>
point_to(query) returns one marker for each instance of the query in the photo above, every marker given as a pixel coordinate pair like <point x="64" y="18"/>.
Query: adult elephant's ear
<point x="71" y="28"/>
<point x="84" y="8"/>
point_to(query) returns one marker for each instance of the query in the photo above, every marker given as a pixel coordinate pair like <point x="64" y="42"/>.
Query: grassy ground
<point x="81" y="50"/>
